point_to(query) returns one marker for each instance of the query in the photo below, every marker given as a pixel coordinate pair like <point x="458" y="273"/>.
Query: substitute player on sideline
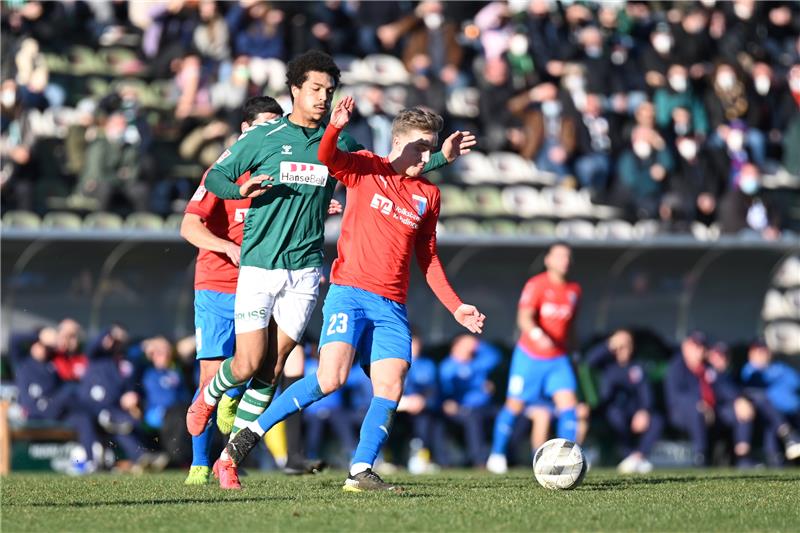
<point x="541" y="372"/>
<point x="214" y="226"/>
<point x="283" y="236"/>
<point x="391" y="213"/>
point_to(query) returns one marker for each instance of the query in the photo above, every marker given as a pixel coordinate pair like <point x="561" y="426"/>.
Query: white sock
<point x="210" y="400"/>
<point x="255" y="428"/>
<point x="357" y="468"/>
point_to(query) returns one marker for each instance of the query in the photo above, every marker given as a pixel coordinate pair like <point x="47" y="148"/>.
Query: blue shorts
<point x="376" y="326"/>
<point x="213" y="324"/>
<point x="534" y="380"/>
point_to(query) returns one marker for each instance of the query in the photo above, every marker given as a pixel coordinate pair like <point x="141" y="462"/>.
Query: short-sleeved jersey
<point x="284" y="228"/>
<point x="555" y="305"/>
<point x="224" y="218"/>
<point x="388" y="217"/>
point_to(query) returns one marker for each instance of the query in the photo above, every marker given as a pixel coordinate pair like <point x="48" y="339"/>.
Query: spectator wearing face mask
<point x="593" y="164"/>
<point x="642" y="170"/>
<point x="766" y="96"/>
<point x="657" y="57"/>
<point x="743" y="208"/>
<point x="693" y="186"/>
<point x="678" y="92"/>
<point x="727" y="103"/>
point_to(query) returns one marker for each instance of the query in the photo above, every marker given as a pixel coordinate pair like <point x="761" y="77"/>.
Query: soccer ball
<point x="559" y="464"/>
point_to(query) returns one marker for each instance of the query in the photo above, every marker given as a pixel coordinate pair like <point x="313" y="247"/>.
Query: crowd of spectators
<point x="131" y="397"/>
<point x="672" y="111"/>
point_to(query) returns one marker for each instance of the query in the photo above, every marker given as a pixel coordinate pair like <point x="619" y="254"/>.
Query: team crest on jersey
<point x="198" y="194"/>
<point x="286" y="149"/>
<point x="239" y="215"/>
<point x="420" y="203"/>
<point x="303" y="173"/>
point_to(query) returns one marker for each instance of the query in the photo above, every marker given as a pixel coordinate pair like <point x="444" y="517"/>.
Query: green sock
<point x="255" y="400"/>
<point x="221" y="382"/>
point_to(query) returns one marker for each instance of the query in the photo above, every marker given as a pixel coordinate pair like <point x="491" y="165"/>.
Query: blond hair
<point x="416" y="118"/>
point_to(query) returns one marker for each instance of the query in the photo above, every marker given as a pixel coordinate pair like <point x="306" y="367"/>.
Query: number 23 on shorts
<point x="337" y="323"/>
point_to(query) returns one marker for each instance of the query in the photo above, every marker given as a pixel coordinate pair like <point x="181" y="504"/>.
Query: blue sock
<point x="297" y="397"/>
<point x="236" y="392"/>
<point x="374" y="430"/>
<point x="567" y="424"/>
<point x="201" y="445"/>
<point x="503" y="427"/>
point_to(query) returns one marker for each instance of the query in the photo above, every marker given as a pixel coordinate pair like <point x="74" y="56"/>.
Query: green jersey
<point x="284" y="227"/>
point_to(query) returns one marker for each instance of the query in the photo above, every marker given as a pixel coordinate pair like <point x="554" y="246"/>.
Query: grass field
<point x="715" y="500"/>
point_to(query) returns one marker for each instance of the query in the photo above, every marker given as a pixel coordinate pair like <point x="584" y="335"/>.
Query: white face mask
<point x="762" y="84"/>
<point x="618" y="57"/>
<point x="518" y="45"/>
<point x="574" y="83"/>
<point x="433" y="20"/>
<point x="551" y="108"/>
<point x="642" y="149"/>
<point x="726" y="80"/>
<point x="681" y="128"/>
<point x="687" y="148"/>
<point x="8" y="98"/>
<point x="735" y="140"/>
<point x="594" y="51"/>
<point x="678" y="83"/>
<point x="749" y="185"/>
<point x="662" y="43"/>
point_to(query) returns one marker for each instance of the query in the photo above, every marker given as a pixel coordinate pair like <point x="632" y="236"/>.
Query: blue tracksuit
<point x="465" y="383"/>
<point x="624" y="390"/>
<point x="683" y="394"/>
<point x="775" y="392"/>
<point x="162" y="389"/>
<point x="107" y="378"/>
<point x="422" y="380"/>
<point x="44" y="396"/>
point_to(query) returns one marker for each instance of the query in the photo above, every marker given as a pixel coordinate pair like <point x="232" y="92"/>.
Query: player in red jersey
<point x="541" y="373"/>
<point x="391" y="214"/>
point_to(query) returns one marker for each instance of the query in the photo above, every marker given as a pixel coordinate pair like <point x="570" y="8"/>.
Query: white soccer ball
<point x="559" y="464"/>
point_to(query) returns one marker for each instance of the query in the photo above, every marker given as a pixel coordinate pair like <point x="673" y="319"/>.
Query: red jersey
<point x="224" y="218"/>
<point x="555" y="305"/>
<point x="388" y="218"/>
<point x="70" y="367"/>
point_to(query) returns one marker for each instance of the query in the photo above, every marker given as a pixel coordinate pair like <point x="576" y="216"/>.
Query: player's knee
<point x="514" y="405"/>
<point x="330" y="379"/>
<point x="743" y="410"/>
<point x="388" y="389"/>
<point x="565" y="400"/>
<point x="244" y="367"/>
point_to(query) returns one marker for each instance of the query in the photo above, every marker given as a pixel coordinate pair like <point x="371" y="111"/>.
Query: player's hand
<point x="335" y="207"/>
<point x="469" y="317"/>
<point x="255" y="186"/>
<point x="233" y="251"/>
<point x="457" y="144"/>
<point x="342" y="111"/>
<point x="640" y="421"/>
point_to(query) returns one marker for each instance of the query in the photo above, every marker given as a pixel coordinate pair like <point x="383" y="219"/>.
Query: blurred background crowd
<point x="646" y="116"/>
<point x="698" y="403"/>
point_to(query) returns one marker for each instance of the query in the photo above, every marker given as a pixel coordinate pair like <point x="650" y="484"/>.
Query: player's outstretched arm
<point x="344" y="166"/>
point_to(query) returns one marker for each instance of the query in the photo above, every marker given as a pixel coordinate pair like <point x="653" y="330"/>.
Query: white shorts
<point x="288" y="295"/>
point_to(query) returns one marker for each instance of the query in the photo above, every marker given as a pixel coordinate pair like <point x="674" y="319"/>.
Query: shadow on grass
<point x="134" y="503"/>
<point x="637" y="482"/>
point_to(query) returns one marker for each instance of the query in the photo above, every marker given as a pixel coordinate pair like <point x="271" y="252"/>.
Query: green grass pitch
<point x="713" y="500"/>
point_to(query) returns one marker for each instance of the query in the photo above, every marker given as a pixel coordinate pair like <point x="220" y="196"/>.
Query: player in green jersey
<point x="281" y="252"/>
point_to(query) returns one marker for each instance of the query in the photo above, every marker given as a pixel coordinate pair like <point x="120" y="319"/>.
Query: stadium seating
<point x="62" y="220"/>
<point x="144" y="221"/>
<point x="173" y="222"/>
<point x="615" y="229"/>
<point x="103" y="221"/>
<point x="21" y="220"/>
<point x="575" y="229"/>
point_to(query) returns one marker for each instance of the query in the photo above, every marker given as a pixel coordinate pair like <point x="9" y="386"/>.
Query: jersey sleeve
<point x="345" y="166"/>
<point x="428" y="260"/>
<point x="203" y="202"/>
<point x="531" y="295"/>
<point x="246" y="154"/>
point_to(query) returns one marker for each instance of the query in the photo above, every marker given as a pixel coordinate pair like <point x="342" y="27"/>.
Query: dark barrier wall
<point x="670" y="286"/>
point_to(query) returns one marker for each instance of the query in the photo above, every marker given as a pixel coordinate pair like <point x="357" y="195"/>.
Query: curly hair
<point x="416" y="118"/>
<point x="312" y="61"/>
